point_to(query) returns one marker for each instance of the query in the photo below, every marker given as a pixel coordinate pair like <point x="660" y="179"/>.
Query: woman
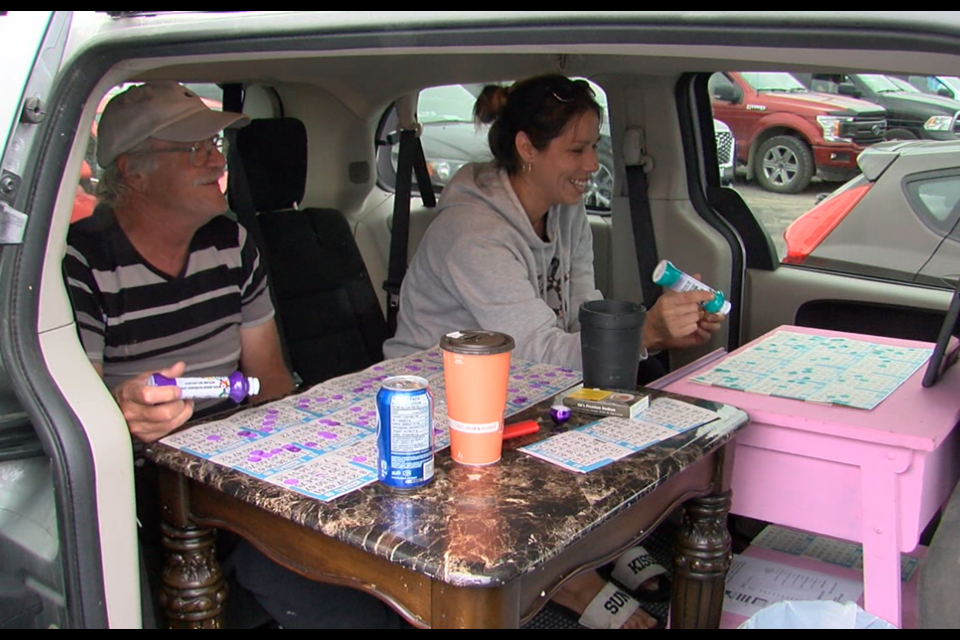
<point x="511" y="248"/>
<point x="511" y="251"/>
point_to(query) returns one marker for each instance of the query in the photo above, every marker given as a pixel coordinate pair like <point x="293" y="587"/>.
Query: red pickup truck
<point x="786" y="134"/>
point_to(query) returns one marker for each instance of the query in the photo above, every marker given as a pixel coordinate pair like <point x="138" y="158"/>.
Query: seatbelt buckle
<point x="393" y="294"/>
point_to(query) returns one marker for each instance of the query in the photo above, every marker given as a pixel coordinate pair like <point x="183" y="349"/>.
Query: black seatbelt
<point x="644" y="238"/>
<point x="241" y="201"/>
<point x="645" y="243"/>
<point x="238" y="189"/>
<point x="410" y="161"/>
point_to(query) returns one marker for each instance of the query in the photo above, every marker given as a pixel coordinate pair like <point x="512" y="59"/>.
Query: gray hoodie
<point x="481" y="266"/>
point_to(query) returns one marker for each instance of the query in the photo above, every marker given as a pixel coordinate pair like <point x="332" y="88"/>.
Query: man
<point x="162" y="282"/>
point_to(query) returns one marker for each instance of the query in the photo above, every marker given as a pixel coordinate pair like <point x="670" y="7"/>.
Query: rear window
<point x="937" y="199"/>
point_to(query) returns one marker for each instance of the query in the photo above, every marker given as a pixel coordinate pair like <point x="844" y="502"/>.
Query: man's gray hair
<point x="112" y="190"/>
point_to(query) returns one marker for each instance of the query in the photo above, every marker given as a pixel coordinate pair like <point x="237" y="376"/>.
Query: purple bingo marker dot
<point x="359" y="458"/>
<point x="326" y="435"/>
<point x="292" y="448"/>
<point x="356" y="409"/>
<point x="290" y="482"/>
<point x="254" y="459"/>
<point x="338" y="397"/>
<point x="214" y="438"/>
<point x="322" y="400"/>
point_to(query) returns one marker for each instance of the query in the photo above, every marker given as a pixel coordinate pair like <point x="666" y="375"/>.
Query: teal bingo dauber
<point x="667" y="275"/>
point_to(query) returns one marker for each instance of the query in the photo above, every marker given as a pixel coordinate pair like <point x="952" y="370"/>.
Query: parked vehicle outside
<point x="726" y="152"/>
<point x="896" y="220"/>
<point x="946" y="86"/>
<point x="786" y="134"/>
<point x="911" y="113"/>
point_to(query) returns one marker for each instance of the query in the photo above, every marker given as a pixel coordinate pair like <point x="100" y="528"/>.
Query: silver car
<point x="897" y="220"/>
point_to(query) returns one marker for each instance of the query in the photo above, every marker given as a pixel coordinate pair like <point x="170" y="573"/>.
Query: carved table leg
<point x="194" y="592"/>
<point x="702" y="558"/>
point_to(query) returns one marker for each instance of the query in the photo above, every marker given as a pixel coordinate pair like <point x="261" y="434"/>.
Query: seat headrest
<point x="274" y="156"/>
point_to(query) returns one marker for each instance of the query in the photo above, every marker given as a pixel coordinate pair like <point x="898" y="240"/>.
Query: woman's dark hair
<point x="541" y="107"/>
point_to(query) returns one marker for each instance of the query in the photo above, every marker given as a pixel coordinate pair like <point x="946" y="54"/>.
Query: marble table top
<point x="478" y="526"/>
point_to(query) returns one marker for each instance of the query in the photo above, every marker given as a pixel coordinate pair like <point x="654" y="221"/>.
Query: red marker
<point x="520" y="429"/>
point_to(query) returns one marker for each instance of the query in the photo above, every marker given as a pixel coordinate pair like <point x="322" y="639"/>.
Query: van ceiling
<point x="393" y="72"/>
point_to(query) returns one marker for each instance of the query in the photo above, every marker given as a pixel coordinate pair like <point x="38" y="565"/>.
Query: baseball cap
<point x="163" y="110"/>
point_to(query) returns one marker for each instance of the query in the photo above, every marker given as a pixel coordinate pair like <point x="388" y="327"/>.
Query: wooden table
<point x="874" y="477"/>
<point x="478" y="547"/>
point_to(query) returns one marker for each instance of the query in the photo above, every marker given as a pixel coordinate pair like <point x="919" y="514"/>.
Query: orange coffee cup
<point x="476" y="369"/>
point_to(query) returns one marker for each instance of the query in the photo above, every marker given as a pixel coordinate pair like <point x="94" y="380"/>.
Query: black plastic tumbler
<point x="610" y="332"/>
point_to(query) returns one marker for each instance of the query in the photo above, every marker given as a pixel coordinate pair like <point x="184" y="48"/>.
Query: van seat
<point x="327" y="307"/>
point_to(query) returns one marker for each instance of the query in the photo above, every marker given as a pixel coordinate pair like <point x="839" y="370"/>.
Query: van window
<point x="800" y="137"/>
<point x="451" y="140"/>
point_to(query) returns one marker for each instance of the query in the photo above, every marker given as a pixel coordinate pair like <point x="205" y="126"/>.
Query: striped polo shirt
<point x="133" y="318"/>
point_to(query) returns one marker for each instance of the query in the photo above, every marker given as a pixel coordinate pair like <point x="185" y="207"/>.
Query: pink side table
<point x="873" y="477"/>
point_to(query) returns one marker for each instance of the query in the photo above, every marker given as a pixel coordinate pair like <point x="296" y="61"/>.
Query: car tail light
<point x="807" y="232"/>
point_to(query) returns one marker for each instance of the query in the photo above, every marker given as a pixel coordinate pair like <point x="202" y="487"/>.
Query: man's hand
<point x="677" y="321"/>
<point x="152" y="412"/>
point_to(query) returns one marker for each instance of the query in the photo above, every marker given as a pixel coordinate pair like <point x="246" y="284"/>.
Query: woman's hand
<point x="678" y="321"/>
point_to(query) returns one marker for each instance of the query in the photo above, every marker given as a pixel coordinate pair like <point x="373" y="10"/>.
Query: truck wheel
<point x="785" y="166"/>
<point x="899" y="134"/>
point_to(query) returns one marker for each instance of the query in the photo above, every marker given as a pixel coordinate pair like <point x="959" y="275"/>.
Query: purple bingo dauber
<point x="236" y="386"/>
<point x="560" y="413"/>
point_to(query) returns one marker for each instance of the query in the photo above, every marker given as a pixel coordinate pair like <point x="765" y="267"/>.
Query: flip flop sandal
<point x="611" y="608"/>
<point x="635" y="567"/>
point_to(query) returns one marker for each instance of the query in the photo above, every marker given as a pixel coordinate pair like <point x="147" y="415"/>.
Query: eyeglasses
<point x="566" y="92"/>
<point x="199" y="151"/>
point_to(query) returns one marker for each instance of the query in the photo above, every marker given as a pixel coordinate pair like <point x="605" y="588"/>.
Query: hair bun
<point x="491" y="103"/>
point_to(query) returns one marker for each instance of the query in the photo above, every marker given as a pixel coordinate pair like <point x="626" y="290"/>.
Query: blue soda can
<point x="405" y="443"/>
